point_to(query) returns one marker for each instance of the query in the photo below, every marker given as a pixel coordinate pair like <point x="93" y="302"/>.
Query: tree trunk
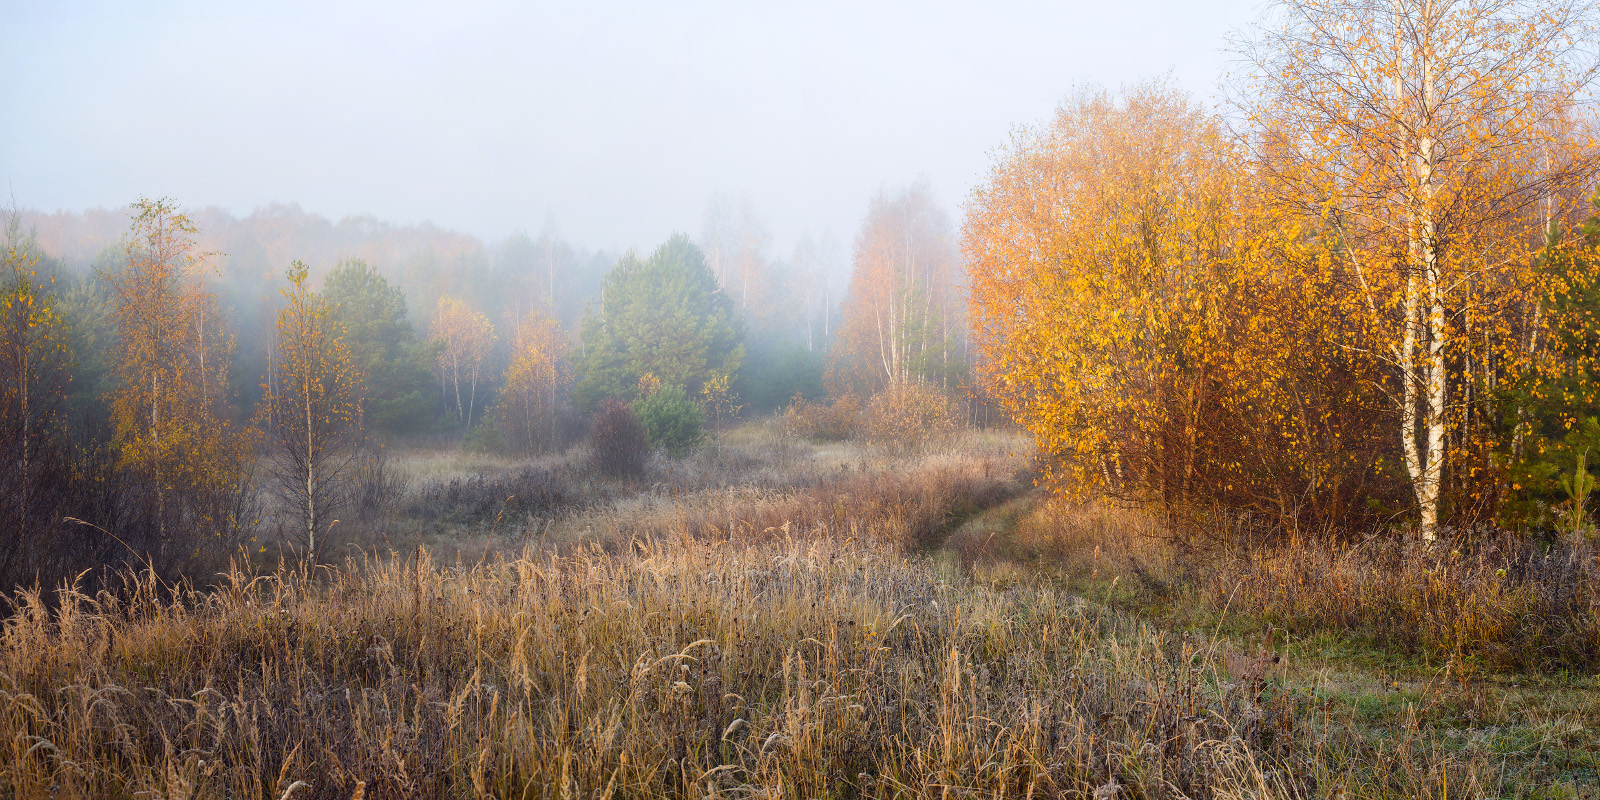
<point x="27" y="422"/>
<point x="1435" y="421"/>
<point x="455" y="379"/>
<point x="155" y="441"/>
<point x="311" y="477"/>
<point x="1409" y="395"/>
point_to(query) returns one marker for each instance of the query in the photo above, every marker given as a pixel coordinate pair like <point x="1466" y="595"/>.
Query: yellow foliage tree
<point x="312" y="410"/>
<point x="719" y="400"/>
<point x="1433" y="140"/>
<point x="465" y="336"/>
<point x="171" y="364"/>
<point x="535" y="385"/>
<point x="1150" y="323"/>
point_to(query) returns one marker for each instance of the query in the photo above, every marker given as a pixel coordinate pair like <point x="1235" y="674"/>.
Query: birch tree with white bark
<point x="1427" y="140"/>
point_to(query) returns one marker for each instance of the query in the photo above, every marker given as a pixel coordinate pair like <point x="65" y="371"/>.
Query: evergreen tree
<point x="1553" y="411"/>
<point x="663" y="316"/>
<point x="396" y="380"/>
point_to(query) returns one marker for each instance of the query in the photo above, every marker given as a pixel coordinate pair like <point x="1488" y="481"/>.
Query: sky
<point x="616" y="121"/>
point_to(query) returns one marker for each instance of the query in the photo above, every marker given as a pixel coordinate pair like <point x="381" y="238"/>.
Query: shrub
<point x="909" y="415"/>
<point x="824" y="422"/>
<point x="485" y="437"/>
<point x="490" y="498"/>
<point x="376" y="487"/>
<point x="671" y="420"/>
<point x="619" y="441"/>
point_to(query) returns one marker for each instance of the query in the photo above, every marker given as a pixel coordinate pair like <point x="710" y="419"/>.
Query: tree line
<point x="138" y="435"/>
<point x="1363" y="298"/>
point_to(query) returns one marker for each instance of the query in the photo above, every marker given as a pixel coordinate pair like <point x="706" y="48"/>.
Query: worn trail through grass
<point x="922" y="627"/>
<point x="1539" y="731"/>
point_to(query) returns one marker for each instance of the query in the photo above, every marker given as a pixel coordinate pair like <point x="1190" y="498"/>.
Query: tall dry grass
<point x="697" y="637"/>
<point x="771" y="666"/>
<point x="909" y="509"/>
<point x="1498" y="600"/>
<point x="752" y="480"/>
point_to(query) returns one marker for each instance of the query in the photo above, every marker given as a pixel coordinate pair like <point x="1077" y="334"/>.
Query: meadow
<point x="1238" y="444"/>
<point x="774" y="617"/>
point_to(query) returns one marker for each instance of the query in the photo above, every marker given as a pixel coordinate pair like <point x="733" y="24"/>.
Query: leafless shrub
<point x="486" y="497"/>
<point x="376" y="486"/>
<point x="908" y="416"/>
<point x="618" y="440"/>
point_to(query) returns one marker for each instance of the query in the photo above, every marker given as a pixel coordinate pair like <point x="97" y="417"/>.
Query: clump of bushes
<point x="909" y="415"/>
<point x="620" y="444"/>
<point x="824" y="422"/>
<point x="483" y="498"/>
<point x="671" y="420"/>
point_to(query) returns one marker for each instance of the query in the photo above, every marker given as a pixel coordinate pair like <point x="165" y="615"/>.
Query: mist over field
<point x="847" y="400"/>
<point x="620" y="120"/>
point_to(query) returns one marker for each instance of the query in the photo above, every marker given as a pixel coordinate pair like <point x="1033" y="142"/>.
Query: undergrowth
<point x="805" y="632"/>
<point x="775" y="666"/>
<point x="1493" y="600"/>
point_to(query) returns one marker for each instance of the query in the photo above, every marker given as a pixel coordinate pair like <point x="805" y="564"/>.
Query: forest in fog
<point x="1212" y="447"/>
<point x="247" y="260"/>
<point x="191" y="376"/>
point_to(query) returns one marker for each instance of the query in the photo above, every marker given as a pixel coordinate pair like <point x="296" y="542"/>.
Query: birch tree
<point x="535" y="385"/>
<point x="735" y="243"/>
<point x="895" y="319"/>
<point x="311" y="406"/>
<point x="170" y="367"/>
<point x="33" y="380"/>
<point x="1427" y="134"/>
<point x="465" y="336"/>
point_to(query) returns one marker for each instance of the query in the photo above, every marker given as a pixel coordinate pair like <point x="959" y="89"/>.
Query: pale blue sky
<point x="621" y="118"/>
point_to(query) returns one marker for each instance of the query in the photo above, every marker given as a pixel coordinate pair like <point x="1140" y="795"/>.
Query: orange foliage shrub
<point x="908" y="415"/>
<point x="824" y="422"/>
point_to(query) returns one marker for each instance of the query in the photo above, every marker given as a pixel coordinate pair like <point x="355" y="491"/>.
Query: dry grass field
<point x="774" y="618"/>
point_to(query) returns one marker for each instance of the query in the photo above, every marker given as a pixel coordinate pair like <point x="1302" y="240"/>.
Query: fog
<point x="840" y="398"/>
<point x="617" y="121"/>
<point x="246" y="254"/>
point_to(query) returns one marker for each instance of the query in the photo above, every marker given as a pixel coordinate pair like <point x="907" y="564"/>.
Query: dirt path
<point x="969" y="539"/>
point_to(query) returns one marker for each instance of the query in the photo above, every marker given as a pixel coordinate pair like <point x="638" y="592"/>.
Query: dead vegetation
<point x="1501" y="601"/>
<point x="772" y="666"/>
<point x="769" y="619"/>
